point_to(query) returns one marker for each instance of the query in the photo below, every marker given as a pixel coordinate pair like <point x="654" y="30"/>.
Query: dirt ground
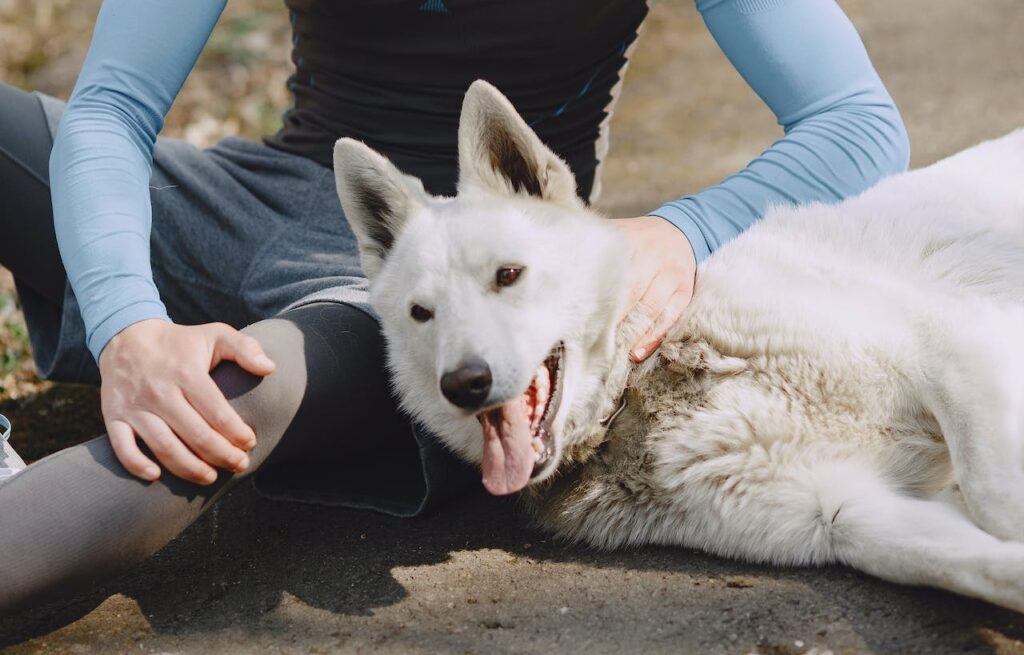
<point x="260" y="576"/>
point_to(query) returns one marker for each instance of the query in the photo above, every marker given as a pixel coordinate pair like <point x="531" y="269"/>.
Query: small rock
<point x="739" y="582"/>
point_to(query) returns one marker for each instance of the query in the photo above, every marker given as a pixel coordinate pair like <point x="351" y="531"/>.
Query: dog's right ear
<point x="376" y="197"/>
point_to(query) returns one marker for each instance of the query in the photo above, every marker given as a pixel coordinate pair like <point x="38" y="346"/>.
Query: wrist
<point x="660" y="230"/>
<point x="672" y="234"/>
<point x="685" y="223"/>
<point x="137" y="331"/>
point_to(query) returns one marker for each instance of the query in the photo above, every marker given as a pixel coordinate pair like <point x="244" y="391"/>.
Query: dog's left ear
<point x="376" y="197"/>
<point x="499" y="152"/>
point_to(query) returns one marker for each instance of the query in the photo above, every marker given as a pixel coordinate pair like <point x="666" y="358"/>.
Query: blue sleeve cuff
<point x="121" y="319"/>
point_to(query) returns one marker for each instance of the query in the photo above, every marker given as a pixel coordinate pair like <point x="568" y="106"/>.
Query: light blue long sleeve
<point x="842" y="130"/>
<point x="141" y="53"/>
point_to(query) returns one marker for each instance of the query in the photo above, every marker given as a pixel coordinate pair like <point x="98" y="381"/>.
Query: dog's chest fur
<point x="705" y="436"/>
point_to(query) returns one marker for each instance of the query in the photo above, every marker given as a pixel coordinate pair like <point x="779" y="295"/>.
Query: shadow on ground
<point x="256" y="574"/>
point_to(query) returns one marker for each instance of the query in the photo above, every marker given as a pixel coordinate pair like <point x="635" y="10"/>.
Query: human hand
<point x="662" y="276"/>
<point x="157" y="387"/>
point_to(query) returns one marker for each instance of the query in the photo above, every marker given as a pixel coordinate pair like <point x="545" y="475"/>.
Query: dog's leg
<point x="974" y="386"/>
<point x="821" y="511"/>
<point x="927" y="542"/>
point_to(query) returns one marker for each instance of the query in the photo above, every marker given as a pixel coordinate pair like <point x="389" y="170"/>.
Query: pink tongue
<point x="508" y="453"/>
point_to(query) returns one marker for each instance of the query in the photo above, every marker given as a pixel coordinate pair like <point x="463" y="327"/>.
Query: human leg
<point x="78" y="518"/>
<point x="28" y="245"/>
<point x="239" y="232"/>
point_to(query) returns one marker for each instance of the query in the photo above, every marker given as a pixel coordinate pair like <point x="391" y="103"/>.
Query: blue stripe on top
<point x="434" y="6"/>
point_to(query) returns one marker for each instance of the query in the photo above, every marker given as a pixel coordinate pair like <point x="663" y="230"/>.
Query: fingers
<point x="652" y="339"/>
<point x="663" y="270"/>
<point x="171" y="451"/>
<point x="207" y="399"/>
<point x="661" y="304"/>
<point x="181" y="439"/>
<point x="122" y="440"/>
<point x="157" y="387"/>
<point x="203" y="440"/>
<point x="242" y="349"/>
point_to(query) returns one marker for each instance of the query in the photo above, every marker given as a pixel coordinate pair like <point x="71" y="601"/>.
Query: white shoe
<point x="10" y="463"/>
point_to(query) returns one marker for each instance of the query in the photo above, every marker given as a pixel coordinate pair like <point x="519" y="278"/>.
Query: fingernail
<point x="638" y="353"/>
<point x="151" y="472"/>
<point x="210" y="477"/>
<point x="265" y="361"/>
<point x="243" y="464"/>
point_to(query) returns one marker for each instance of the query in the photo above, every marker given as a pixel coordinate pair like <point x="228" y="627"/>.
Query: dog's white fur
<point x="846" y="386"/>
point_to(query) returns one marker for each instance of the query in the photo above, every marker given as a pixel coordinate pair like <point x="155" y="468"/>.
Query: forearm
<point x="842" y="130"/>
<point x="100" y="189"/>
<point x="102" y="156"/>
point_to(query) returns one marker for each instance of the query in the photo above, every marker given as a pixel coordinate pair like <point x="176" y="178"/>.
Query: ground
<point x="255" y="575"/>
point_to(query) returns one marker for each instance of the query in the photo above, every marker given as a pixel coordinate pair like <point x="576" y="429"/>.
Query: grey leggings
<point x="76" y="518"/>
<point x="324" y="420"/>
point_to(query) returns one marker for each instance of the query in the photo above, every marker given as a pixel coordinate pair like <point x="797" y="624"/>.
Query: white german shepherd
<point x="846" y="386"/>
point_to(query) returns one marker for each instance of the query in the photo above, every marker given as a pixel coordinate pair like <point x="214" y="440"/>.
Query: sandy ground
<point x="255" y="576"/>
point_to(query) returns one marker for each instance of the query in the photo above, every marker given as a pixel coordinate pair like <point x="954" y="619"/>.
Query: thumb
<point x="244" y="351"/>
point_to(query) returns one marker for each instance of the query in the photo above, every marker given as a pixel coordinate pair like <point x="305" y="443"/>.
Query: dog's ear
<point x="376" y="197"/>
<point x="498" y="151"/>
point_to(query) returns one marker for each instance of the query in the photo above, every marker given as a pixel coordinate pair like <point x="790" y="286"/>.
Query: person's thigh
<point x="240" y="232"/>
<point x="76" y="518"/>
<point x="28" y="246"/>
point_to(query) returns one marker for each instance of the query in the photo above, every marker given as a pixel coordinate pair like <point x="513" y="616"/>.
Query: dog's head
<point x="499" y="305"/>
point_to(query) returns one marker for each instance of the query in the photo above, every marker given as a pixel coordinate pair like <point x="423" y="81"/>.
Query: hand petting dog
<point x="663" y="270"/>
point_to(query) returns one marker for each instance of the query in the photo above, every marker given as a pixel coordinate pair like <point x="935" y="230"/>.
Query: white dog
<point x="846" y="386"/>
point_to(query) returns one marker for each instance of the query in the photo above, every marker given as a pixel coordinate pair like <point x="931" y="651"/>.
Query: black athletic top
<point x="393" y="74"/>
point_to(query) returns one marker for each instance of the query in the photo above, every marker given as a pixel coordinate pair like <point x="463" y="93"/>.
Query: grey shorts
<point x="241" y="232"/>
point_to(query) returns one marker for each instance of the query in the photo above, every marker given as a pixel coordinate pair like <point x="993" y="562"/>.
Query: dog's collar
<point x="608" y="420"/>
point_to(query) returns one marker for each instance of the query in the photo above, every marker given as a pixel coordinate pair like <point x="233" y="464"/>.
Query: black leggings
<point x="76" y="518"/>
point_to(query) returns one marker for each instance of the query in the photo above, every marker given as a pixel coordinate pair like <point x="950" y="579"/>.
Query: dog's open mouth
<point x="518" y="443"/>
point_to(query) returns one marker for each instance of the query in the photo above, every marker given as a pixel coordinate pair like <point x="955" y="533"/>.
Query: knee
<point x="268" y="404"/>
<point x="329" y="370"/>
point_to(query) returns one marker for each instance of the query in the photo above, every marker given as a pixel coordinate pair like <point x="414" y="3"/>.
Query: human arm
<point x="141" y="53"/>
<point x="842" y="134"/>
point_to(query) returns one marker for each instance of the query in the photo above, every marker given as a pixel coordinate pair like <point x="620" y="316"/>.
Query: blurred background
<point x="685" y="120"/>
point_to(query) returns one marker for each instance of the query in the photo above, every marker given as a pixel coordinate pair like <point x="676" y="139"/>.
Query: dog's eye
<point x="420" y="314"/>
<point x="507" y="275"/>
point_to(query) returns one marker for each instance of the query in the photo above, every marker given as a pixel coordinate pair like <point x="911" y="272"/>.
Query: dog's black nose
<point x="469" y="385"/>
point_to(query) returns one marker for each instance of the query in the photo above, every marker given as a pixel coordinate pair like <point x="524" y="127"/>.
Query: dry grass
<point x="238" y="87"/>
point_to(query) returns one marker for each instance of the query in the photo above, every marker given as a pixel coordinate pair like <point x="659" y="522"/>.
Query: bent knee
<point x="268" y="404"/>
